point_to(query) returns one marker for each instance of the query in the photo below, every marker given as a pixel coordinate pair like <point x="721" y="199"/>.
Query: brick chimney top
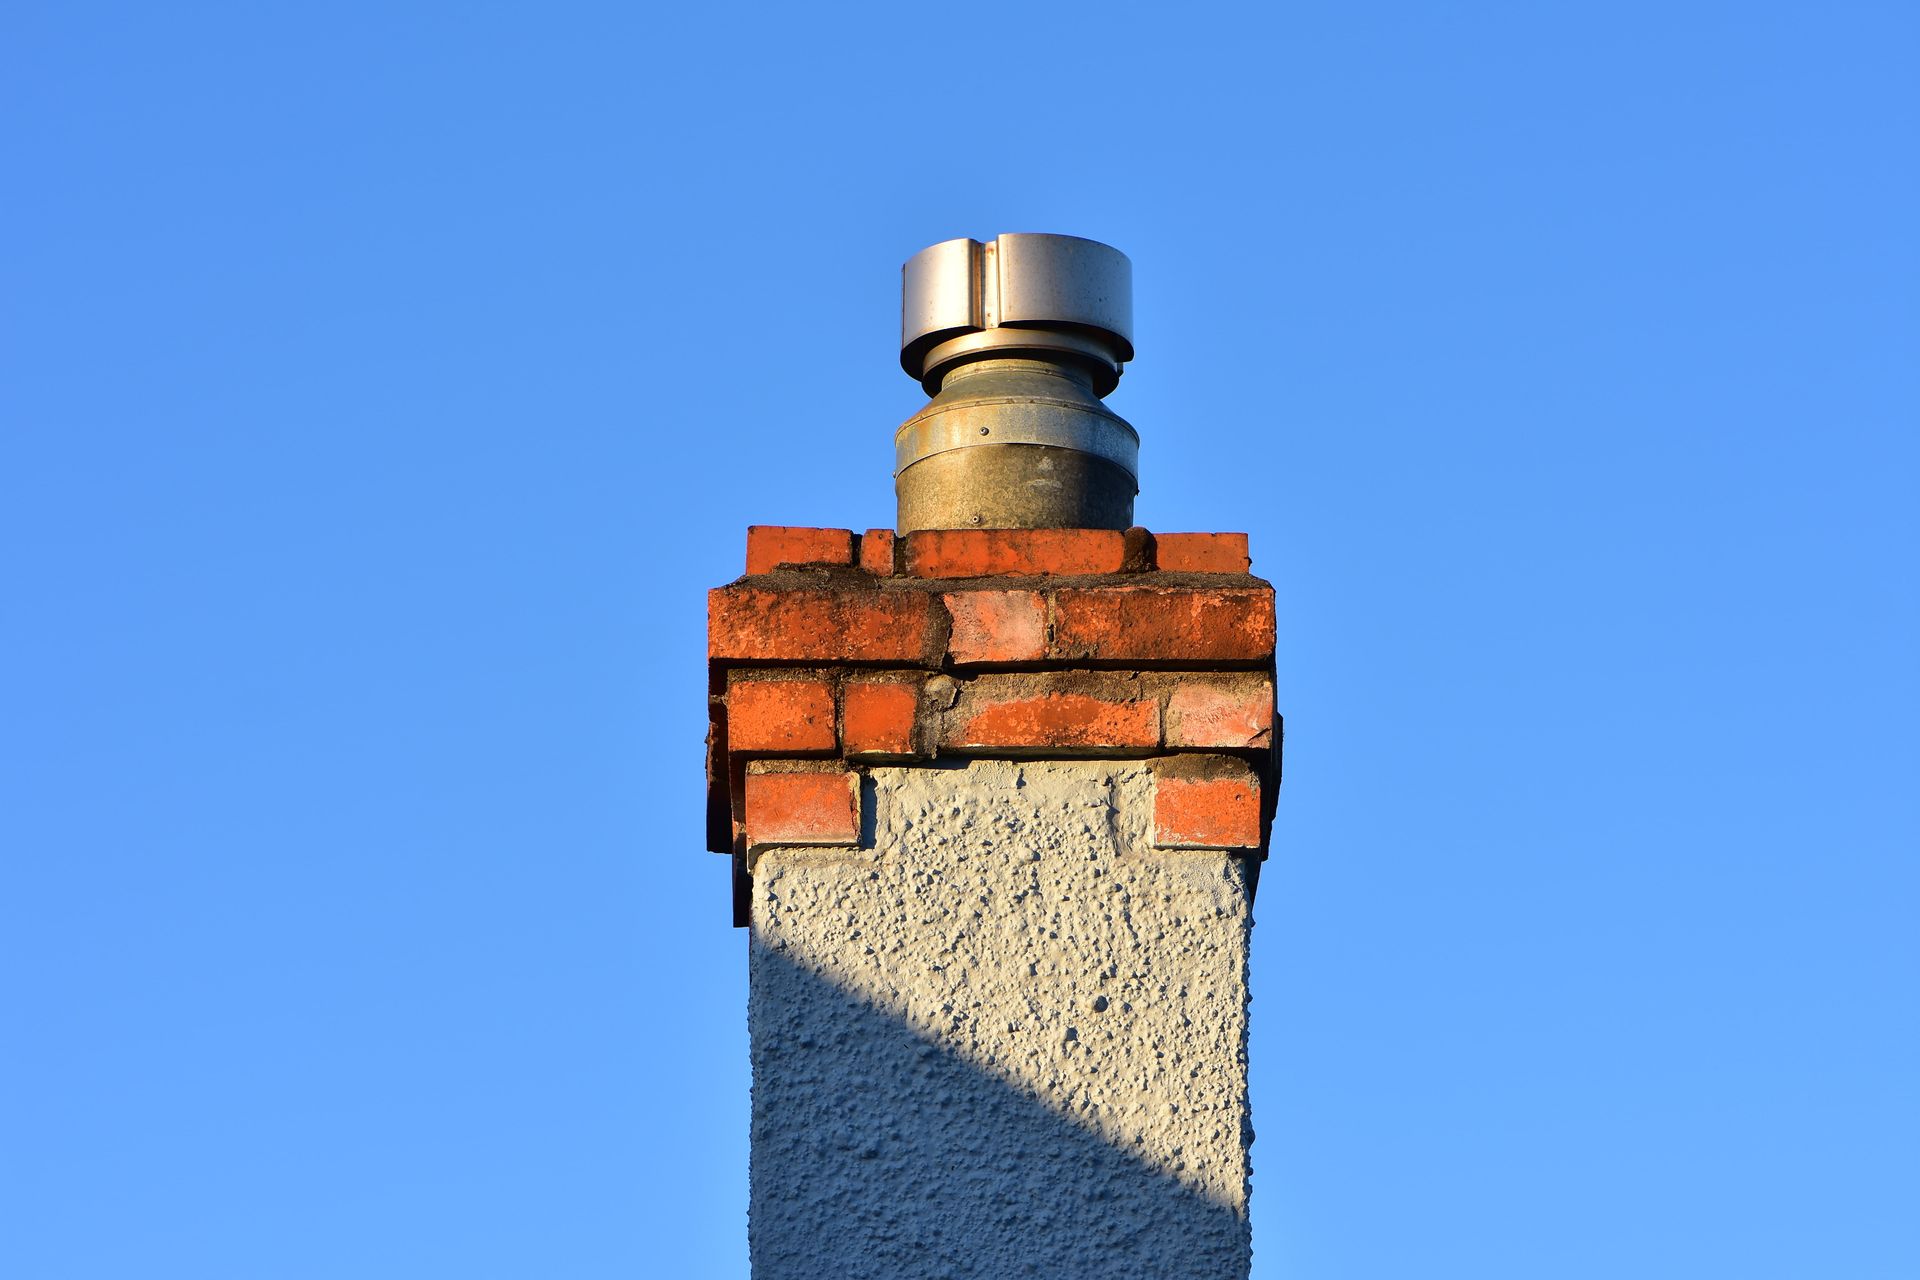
<point x="837" y="651"/>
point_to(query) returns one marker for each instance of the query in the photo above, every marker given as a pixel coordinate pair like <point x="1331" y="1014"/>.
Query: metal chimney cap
<point x="962" y="300"/>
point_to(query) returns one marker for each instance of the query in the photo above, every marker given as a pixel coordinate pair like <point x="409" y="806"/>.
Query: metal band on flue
<point x="1017" y="339"/>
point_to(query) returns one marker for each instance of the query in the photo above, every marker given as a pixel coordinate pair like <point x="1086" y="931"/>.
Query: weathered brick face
<point x="995" y="553"/>
<point x="771" y="547"/>
<point x="791" y="716"/>
<point x="1016" y="715"/>
<point x="996" y="626"/>
<point x="1202" y="553"/>
<point x="1152" y="624"/>
<point x="838" y="651"/>
<point x="1205" y="802"/>
<point x="879" y="714"/>
<point x="801" y="806"/>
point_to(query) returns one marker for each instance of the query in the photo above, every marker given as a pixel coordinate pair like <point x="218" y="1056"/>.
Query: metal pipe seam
<point x="1010" y="420"/>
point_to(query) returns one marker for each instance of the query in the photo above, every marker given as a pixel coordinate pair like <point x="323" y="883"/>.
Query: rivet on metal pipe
<point x="1016" y="340"/>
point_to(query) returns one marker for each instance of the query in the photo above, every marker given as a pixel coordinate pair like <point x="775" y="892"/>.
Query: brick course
<point x="837" y="651"/>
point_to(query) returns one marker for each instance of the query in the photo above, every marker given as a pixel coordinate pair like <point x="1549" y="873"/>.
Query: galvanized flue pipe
<point x="1017" y="339"/>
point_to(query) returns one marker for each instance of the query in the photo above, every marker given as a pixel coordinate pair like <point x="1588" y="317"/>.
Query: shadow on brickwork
<point x="879" y="1153"/>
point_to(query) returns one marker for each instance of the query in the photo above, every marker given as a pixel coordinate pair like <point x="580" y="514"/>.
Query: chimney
<point x="996" y="786"/>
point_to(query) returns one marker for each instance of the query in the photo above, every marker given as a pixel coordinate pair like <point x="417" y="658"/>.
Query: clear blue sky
<point x="384" y="384"/>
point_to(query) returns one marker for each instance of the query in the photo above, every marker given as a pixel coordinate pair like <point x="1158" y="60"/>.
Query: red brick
<point x="876" y="552"/>
<point x="981" y="553"/>
<point x="877" y="716"/>
<point x="997" y="626"/>
<point x="811" y="808"/>
<point x="1202" y="552"/>
<point x="1026" y="717"/>
<point x="771" y="545"/>
<point x="1221" y="711"/>
<point x="1147" y="624"/>
<point x="853" y="624"/>
<point x="791" y="716"/>
<point x="1216" y="806"/>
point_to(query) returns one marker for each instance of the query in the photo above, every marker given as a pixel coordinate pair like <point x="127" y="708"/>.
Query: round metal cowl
<point x="1058" y="297"/>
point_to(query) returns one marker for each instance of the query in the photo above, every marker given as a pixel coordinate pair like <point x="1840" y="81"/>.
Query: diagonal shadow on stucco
<point x="878" y="1152"/>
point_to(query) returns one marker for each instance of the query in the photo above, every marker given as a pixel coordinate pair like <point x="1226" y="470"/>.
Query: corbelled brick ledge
<point x="838" y="651"/>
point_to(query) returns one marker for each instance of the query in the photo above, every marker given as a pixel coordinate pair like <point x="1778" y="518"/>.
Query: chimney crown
<point x="840" y="651"/>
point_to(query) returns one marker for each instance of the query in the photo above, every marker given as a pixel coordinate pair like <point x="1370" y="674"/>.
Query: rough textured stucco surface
<point x="1008" y="1038"/>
